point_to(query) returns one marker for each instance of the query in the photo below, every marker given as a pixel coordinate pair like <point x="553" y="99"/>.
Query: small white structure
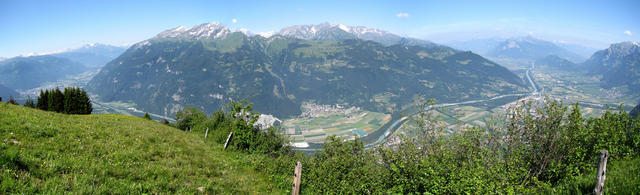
<point x="266" y="120"/>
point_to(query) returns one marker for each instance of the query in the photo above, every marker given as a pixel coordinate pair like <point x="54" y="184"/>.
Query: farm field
<point x="346" y="126"/>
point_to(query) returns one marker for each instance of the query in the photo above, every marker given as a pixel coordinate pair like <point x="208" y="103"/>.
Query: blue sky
<point x="44" y="26"/>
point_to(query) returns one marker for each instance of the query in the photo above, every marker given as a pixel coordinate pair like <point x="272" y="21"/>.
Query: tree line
<point x="72" y="100"/>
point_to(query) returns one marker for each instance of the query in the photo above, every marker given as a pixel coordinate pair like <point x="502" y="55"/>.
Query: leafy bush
<point x="189" y="117"/>
<point x="544" y="147"/>
<point x="239" y="119"/>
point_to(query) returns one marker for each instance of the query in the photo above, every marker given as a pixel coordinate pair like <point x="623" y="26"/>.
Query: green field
<point x="316" y="129"/>
<point x="51" y="153"/>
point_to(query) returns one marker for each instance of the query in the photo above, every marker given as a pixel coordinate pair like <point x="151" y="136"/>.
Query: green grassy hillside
<point x="46" y="152"/>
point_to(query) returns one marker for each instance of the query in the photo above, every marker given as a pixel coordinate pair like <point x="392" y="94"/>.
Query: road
<point x="397" y="123"/>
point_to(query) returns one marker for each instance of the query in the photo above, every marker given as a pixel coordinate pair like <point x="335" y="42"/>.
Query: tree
<point x="146" y="116"/>
<point x="58" y="100"/>
<point x="85" y="103"/>
<point x="242" y="110"/>
<point x="43" y="103"/>
<point x="29" y="103"/>
<point x="12" y="101"/>
<point x="72" y="100"/>
<point x="189" y="117"/>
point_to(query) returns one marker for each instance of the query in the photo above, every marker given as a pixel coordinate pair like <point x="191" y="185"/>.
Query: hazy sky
<point x="43" y="26"/>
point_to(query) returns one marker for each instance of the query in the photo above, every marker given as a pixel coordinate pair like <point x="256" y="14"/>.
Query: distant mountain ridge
<point x="94" y="55"/>
<point x="483" y="46"/>
<point x="323" y="31"/>
<point x="557" y="62"/>
<point x="31" y="72"/>
<point x="208" y="65"/>
<point x="6" y="92"/>
<point x="531" y="49"/>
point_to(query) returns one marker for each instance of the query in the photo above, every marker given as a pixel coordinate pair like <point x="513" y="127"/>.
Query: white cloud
<point x="402" y="15"/>
<point x="628" y="32"/>
<point x="234" y="20"/>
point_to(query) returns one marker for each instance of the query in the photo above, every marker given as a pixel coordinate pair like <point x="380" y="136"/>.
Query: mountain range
<point x="26" y="72"/>
<point x="31" y="72"/>
<point x="208" y="65"/>
<point x="556" y="62"/>
<point x="619" y="65"/>
<point x="94" y="55"/>
<point x="530" y="49"/>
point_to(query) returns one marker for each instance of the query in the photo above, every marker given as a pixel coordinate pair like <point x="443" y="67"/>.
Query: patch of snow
<point x="267" y="34"/>
<point x="244" y="31"/>
<point x="344" y="27"/>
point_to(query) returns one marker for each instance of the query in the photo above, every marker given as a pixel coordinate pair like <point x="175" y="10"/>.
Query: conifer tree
<point x="146" y="116"/>
<point x="59" y="101"/>
<point x="29" y="103"/>
<point x="51" y="105"/>
<point x="85" y="103"/>
<point x="70" y="102"/>
<point x="38" y="100"/>
<point x="43" y="103"/>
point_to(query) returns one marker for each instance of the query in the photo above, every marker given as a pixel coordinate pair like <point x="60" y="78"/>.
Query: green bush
<point x="239" y="119"/>
<point x="540" y="148"/>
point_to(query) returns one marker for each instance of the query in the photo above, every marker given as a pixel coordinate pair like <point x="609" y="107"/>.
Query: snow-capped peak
<point x="244" y="31"/>
<point x="344" y="27"/>
<point x="267" y="34"/>
<point x="212" y="30"/>
<point x="313" y="31"/>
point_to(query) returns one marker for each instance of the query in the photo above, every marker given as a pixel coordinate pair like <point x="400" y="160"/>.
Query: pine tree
<point x="42" y="100"/>
<point x="51" y="106"/>
<point x="85" y="103"/>
<point x="146" y="116"/>
<point x="39" y="100"/>
<point x="29" y="103"/>
<point x="59" y="101"/>
<point x="71" y="100"/>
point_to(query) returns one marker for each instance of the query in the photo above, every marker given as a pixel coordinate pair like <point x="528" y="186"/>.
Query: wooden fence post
<point x="602" y="170"/>
<point x="206" y="133"/>
<point x="228" y="138"/>
<point x="297" y="175"/>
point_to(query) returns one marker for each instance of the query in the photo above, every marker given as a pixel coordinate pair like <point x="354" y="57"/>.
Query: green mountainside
<point x="50" y="153"/>
<point x="31" y="72"/>
<point x="556" y="62"/>
<point x="635" y="112"/>
<point x="619" y="65"/>
<point x="166" y="73"/>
